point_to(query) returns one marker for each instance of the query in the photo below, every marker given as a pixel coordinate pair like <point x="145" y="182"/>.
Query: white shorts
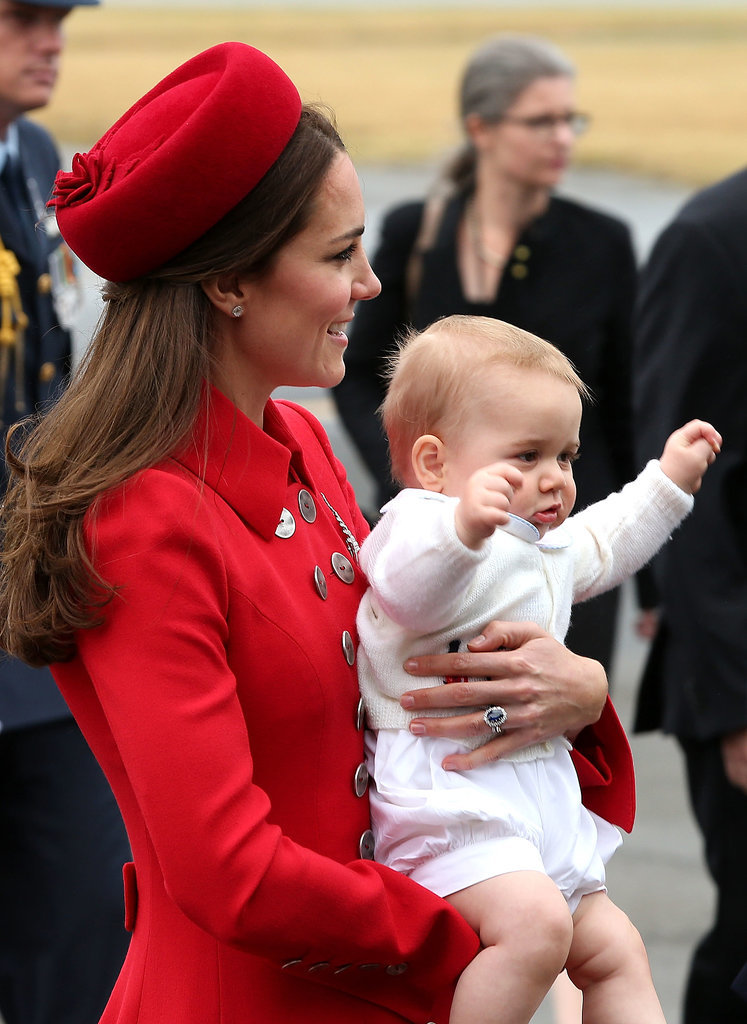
<point x="449" y="830"/>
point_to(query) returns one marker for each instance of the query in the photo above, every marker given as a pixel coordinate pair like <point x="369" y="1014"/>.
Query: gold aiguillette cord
<point x="13" y="323"/>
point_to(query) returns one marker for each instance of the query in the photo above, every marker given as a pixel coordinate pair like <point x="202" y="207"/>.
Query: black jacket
<point x="691" y="361"/>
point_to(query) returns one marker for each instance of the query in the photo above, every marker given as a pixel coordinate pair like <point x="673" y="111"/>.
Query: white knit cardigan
<point x="429" y="592"/>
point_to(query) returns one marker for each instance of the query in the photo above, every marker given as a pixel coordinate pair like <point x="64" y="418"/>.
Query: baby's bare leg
<point x="524" y="924"/>
<point x="566" y="1001"/>
<point x="608" y="962"/>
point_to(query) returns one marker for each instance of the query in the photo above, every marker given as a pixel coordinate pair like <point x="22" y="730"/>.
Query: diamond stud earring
<point x="238" y="311"/>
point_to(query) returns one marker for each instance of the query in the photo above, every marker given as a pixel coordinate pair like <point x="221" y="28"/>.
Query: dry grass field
<point x="667" y="89"/>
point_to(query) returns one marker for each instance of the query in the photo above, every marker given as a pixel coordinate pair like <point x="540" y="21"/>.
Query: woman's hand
<point x="545" y="689"/>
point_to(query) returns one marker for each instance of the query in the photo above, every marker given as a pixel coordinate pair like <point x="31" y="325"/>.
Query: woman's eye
<point x="347" y="254"/>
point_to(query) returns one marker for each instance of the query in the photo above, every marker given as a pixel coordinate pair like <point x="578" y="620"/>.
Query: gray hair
<point x="502" y="68"/>
<point x="497" y="73"/>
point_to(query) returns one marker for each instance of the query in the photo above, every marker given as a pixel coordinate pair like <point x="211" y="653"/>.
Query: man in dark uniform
<point x="62" y="843"/>
<point x="691" y="360"/>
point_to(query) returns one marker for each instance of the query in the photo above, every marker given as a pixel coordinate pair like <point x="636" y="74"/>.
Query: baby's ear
<point x="428" y="458"/>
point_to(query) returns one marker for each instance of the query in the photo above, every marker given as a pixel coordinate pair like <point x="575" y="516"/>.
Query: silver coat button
<point x="320" y="583"/>
<point x="360" y="780"/>
<point x="306" y="506"/>
<point x="348" y="648"/>
<point x="287" y="525"/>
<point x="366" y="845"/>
<point x="343" y="567"/>
<point x="360" y="714"/>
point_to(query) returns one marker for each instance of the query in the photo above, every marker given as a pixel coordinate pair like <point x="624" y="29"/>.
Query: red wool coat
<point x="219" y="697"/>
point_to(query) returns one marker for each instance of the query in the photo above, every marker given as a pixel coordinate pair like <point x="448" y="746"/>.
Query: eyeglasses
<point x="545" y="124"/>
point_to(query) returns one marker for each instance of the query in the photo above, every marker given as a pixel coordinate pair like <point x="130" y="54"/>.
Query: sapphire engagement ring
<point x="495" y="717"/>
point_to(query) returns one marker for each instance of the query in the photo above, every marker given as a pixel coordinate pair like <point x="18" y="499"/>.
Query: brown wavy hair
<point x="132" y="401"/>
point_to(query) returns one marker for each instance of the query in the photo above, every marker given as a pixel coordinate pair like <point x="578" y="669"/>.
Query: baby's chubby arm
<point x="485" y="502"/>
<point x="688" y="453"/>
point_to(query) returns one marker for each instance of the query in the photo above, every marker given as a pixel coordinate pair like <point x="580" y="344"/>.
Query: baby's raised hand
<point x="485" y="502"/>
<point x="689" y="452"/>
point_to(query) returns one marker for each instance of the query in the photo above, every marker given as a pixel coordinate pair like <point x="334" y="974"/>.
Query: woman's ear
<point x="227" y="293"/>
<point x="473" y="125"/>
<point x="477" y="130"/>
<point x="428" y="461"/>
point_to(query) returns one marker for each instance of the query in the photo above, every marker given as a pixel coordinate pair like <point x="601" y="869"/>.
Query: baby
<point x="483" y="421"/>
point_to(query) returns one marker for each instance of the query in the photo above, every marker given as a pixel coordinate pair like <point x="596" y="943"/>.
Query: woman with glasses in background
<point x="494" y="239"/>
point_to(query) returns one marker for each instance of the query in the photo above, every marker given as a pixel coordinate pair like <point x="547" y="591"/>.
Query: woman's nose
<point x="367" y="285"/>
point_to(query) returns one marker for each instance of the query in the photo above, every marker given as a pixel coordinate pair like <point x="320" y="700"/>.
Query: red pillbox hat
<point x="177" y="161"/>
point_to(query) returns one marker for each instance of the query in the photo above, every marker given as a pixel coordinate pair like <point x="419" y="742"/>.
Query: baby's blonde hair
<point x="436" y="373"/>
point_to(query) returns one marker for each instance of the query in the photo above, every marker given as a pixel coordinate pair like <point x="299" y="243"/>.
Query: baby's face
<point x="530" y="420"/>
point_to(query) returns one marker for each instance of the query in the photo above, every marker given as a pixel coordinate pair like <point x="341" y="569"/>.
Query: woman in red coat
<point x="182" y="550"/>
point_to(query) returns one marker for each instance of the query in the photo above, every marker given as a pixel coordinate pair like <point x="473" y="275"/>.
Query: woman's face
<point x="533" y="143"/>
<point x="292" y="331"/>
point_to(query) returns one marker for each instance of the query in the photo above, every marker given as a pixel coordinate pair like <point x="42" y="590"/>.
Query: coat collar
<point x="554" y="540"/>
<point x="19" y="234"/>
<point x="9" y="145"/>
<point x="520" y="528"/>
<point x="249" y="467"/>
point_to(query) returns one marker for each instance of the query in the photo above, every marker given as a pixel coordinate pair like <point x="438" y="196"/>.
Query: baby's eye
<point x="527" y="456"/>
<point x="568" y="458"/>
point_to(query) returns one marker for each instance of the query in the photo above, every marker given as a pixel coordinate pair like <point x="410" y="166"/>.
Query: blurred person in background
<point x="493" y="239"/>
<point x="62" y="842"/>
<point x="691" y="328"/>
